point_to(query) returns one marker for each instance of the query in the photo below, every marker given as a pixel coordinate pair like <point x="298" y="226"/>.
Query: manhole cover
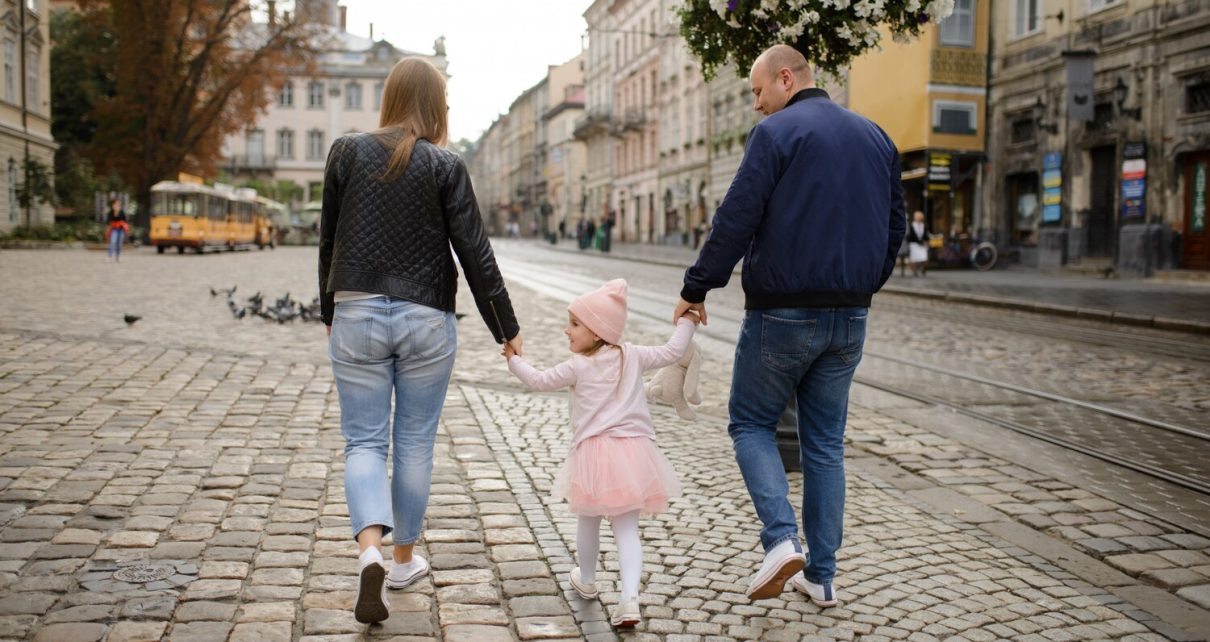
<point x="142" y="573"/>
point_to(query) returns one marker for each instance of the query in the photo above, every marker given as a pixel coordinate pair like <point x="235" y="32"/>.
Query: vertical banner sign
<point x="1134" y="180"/>
<point x="1198" y="224"/>
<point x="939" y="172"/>
<point x="1079" y="85"/>
<point x="1052" y="188"/>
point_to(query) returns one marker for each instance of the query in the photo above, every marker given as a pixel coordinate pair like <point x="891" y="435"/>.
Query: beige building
<point x="25" y="107"/>
<point x="566" y="157"/>
<point x="636" y="70"/>
<point x="684" y="161"/>
<point x="1137" y="168"/>
<point x="595" y="127"/>
<point x="290" y="142"/>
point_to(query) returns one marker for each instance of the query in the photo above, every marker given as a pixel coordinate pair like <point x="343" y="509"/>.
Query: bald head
<point x="779" y="73"/>
<point x="779" y="57"/>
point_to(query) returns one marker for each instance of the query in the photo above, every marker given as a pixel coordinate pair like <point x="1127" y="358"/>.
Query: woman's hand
<point x="513" y="344"/>
<point x="692" y="316"/>
<point x="329" y="330"/>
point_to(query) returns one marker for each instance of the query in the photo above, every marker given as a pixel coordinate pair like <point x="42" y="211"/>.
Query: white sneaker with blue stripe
<point x="781" y="563"/>
<point x="820" y="594"/>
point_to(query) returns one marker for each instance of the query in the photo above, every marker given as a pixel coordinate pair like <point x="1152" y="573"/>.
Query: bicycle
<point x="965" y="251"/>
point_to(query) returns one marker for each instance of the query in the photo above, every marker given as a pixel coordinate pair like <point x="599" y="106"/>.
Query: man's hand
<point x="508" y="352"/>
<point x="329" y="330"/>
<point x="692" y="316"/>
<point x="683" y="306"/>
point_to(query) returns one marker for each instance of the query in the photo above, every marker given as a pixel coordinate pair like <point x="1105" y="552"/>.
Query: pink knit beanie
<point x="603" y="310"/>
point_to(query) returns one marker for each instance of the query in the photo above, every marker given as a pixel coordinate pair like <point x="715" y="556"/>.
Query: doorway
<point x="1196" y="250"/>
<point x="1100" y="221"/>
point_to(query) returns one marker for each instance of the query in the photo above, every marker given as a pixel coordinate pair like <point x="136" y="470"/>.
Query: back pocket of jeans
<point x="350" y="340"/>
<point x="429" y="334"/>
<point x="855" y="341"/>
<point x="785" y="344"/>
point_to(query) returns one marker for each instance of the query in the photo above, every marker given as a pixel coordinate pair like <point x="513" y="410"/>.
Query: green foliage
<point x="87" y="231"/>
<point x="830" y="33"/>
<point x="37" y="186"/>
<point x="285" y="192"/>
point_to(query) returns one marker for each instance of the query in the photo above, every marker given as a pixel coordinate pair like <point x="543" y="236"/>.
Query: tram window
<point x="176" y="204"/>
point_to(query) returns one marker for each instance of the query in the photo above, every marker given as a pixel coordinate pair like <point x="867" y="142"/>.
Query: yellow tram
<point x="189" y="215"/>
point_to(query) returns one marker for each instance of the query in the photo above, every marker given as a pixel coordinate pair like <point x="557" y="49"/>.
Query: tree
<point x="830" y="33"/>
<point x="81" y="65"/>
<point x="187" y="74"/>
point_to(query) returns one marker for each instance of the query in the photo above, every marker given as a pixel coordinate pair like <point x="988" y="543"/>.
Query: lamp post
<point x="1120" y="93"/>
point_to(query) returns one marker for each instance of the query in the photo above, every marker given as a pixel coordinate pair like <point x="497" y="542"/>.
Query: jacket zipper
<point x="499" y="325"/>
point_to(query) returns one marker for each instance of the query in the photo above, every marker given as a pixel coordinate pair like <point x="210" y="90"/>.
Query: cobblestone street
<point x="181" y="478"/>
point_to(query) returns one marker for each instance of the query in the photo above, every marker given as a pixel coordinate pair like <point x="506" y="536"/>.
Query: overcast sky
<point x="496" y="49"/>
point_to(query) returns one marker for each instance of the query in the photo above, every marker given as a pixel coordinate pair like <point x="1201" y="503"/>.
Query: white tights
<point x="630" y="550"/>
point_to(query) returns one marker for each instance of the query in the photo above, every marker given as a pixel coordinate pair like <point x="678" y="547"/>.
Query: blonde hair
<point x="413" y="108"/>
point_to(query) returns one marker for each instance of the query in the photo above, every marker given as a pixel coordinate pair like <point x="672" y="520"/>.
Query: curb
<point x="1095" y="314"/>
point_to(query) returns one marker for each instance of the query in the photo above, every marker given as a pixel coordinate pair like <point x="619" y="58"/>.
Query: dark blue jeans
<point x="811" y="353"/>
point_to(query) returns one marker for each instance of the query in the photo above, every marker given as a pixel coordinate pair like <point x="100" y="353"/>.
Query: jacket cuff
<point x="693" y="296"/>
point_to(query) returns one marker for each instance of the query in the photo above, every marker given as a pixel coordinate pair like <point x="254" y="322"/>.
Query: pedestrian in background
<point x="613" y="467"/>
<point x="816" y="211"/>
<point x="394" y="201"/>
<point x="590" y="234"/>
<point x="918" y="244"/>
<point x="117" y="229"/>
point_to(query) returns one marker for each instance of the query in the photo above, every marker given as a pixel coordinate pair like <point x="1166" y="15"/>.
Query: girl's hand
<point x="508" y="352"/>
<point x="692" y="316"/>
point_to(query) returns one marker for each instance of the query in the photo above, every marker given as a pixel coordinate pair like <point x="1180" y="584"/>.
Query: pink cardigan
<point x="600" y="403"/>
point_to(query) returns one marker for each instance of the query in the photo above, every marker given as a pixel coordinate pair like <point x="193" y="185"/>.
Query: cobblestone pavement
<point x="182" y="479"/>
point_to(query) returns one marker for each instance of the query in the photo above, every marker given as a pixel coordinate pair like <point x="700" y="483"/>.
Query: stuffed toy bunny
<point x="676" y="384"/>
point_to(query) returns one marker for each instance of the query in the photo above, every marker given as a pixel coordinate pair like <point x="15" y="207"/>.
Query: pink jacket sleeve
<point x="556" y="378"/>
<point x="651" y="357"/>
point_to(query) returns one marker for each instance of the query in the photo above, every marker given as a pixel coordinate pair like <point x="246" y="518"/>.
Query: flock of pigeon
<point x="281" y="310"/>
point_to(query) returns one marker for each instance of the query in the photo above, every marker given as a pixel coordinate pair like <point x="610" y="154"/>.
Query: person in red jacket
<point x="117" y="231"/>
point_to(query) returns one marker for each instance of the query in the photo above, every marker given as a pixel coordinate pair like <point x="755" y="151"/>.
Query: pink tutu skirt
<point x="606" y="476"/>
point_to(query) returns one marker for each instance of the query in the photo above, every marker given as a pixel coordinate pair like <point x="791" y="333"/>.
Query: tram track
<point x="724" y="328"/>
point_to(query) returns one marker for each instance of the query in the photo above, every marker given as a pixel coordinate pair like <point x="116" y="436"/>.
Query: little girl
<point x="613" y="467"/>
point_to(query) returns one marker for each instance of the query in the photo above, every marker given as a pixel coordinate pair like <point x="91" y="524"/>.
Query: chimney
<point x="344" y="18"/>
<point x="272" y="12"/>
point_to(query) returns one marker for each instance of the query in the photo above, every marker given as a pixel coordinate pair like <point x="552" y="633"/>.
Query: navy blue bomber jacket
<point x="815" y="211"/>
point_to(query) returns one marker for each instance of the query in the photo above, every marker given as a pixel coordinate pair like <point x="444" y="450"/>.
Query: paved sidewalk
<point x="1136" y="302"/>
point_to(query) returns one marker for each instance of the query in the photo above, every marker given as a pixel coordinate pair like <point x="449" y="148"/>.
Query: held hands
<point x="683" y="308"/>
<point x="692" y="316"/>
<point x="512" y="347"/>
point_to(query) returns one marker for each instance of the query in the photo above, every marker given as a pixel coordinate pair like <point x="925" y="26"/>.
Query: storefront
<point x="1196" y="238"/>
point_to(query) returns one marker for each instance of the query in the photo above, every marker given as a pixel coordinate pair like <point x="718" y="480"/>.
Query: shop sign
<point x="1199" y="198"/>
<point x="939" y="171"/>
<point x="1134" y="180"/>
<point x="1052" y="188"/>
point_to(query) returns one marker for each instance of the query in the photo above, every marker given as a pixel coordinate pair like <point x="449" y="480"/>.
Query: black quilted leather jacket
<point x="394" y="237"/>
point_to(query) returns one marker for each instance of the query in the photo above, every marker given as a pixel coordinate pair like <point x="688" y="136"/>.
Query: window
<point x="1026" y="20"/>
<point x="285" y="97"/>
<point x="959" y="28"/>
<point x="32" y="93"/>
<point x="315" y="144"/>
<point x="10" y="70"/>
<point x="1023" y="130"/>
<point x="1197" y="97"/>
<point x="1097" y="5"/>
<point x="256" y="147"/>
<point x="378" y="95"/>
<point x="285" y="143"/>
<point x="315" y="95"/>
<point x="954" y="117"/>
<point x="353" y="95"/>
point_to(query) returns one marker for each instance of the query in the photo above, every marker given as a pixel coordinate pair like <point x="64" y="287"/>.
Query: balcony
<point x="595" y="122"/>
<point x="635" y="119"/>
<point x="250" y="162"/>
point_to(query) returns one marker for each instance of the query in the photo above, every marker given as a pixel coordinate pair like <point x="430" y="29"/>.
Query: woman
<point x="918" y="244"/>
<point x="117" y="230"/>
<point x="394" y="201"/>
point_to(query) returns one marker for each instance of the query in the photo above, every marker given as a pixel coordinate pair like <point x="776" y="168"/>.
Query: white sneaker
<point x="402" y="575"/>
<point x="626" y="615"/>
<point x="820" y="594"/>
<point x="371" y="604"/>
<point x="781" y="563"/>
<point x="587" y="590"/>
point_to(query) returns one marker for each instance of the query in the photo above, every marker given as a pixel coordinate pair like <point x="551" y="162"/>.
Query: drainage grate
<point x="143" y="573"/>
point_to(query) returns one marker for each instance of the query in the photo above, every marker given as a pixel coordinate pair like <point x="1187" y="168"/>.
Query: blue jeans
<point x="117" y="236"/>
<point x="811" y="353"/>
<point x="382" y="348"/>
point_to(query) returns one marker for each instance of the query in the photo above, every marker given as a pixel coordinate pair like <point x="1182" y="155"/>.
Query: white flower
<point x="939" y="10"/>
<point x="811" y="17"/>
<point x="720" y="7"/>
<point x="768" y="5"/>
<point x="913" y="6"/>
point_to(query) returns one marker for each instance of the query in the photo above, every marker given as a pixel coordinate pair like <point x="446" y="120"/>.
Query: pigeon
<point x="240" y="314"/>
<point x="458" y="316"/>
<point x="213" y="292"/>
<point x="130" y="319"/>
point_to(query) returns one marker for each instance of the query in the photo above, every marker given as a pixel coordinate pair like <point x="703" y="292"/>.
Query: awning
<point x="912" y="174"/>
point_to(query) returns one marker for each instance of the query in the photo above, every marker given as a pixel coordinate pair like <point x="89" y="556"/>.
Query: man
<point x="816" y="211"/>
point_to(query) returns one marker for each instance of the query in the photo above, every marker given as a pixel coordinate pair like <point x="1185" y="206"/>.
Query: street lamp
<point x="1039" y="112"/>
<point x="1120" y="93"/>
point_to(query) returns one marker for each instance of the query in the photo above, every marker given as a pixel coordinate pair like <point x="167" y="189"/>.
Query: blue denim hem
<point x="410" y="541"/>
<point x="386" y="528"/>
<point x="792" y="536"/>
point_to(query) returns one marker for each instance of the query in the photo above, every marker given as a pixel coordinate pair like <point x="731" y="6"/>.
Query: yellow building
<point x="930" y="96"/>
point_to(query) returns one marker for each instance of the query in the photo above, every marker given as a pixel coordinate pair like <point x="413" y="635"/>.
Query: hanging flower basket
<point x="830" y="33"/>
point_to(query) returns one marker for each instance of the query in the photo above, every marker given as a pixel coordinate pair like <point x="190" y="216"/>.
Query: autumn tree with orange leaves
<point x="188" y="73"/>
